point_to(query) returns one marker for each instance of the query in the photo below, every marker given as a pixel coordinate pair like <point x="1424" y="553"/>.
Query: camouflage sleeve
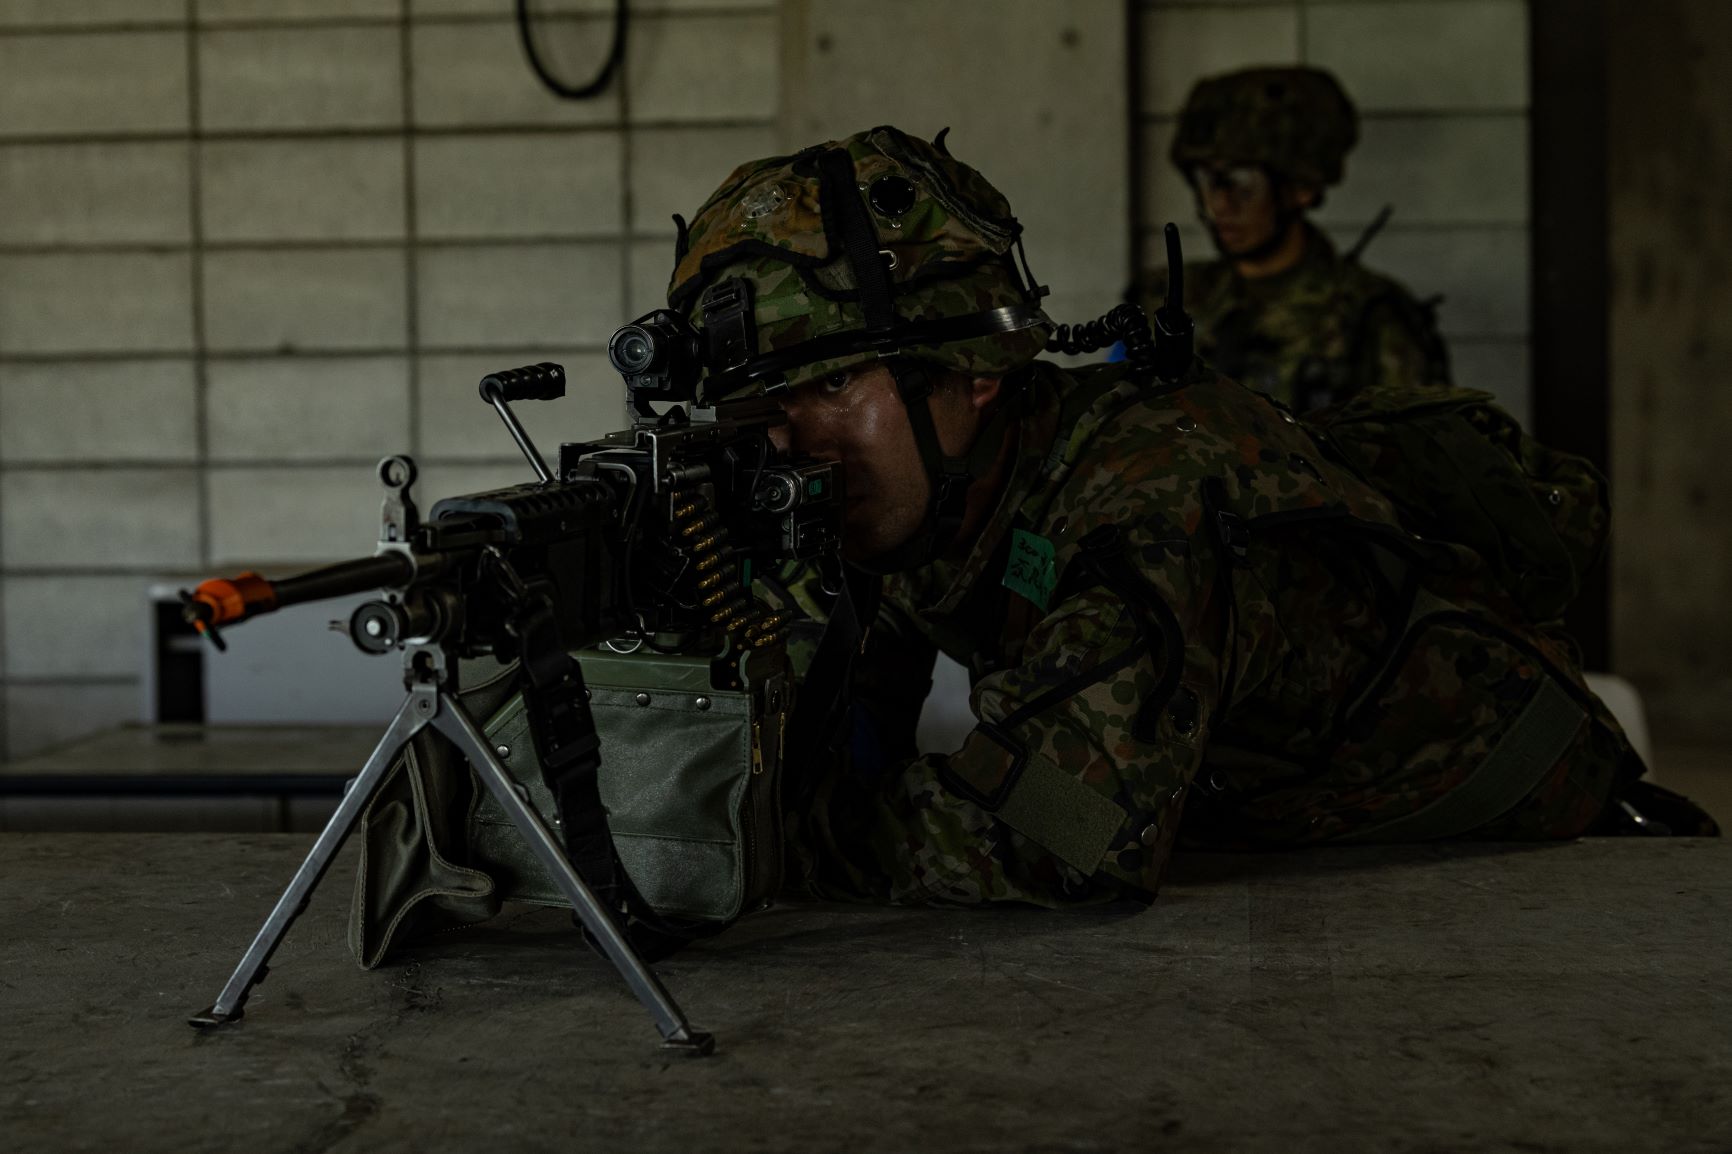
<point x="1401" y="344"/>
<point x="1070" y="790"/>
<point x="795" y="592"/>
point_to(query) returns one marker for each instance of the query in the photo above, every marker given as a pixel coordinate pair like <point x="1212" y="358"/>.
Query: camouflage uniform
<point x="1324" y="330"/>
<point x="1312" y="335"/>
<point x="1315" y="674"/>
<point x="1189" y="615"/>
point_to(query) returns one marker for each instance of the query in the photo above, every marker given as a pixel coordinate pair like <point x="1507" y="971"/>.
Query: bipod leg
<point x="418" y="709"/>
<point x="677" y="1034"/>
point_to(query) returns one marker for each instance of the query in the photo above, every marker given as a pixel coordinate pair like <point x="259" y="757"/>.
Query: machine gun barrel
<point x="227" y="600"/>
<point x="345" y="577"/>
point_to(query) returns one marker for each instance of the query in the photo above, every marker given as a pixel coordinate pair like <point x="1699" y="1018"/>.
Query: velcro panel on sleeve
<point x="1032" y="795"/>
<point x="1054" y="809"/>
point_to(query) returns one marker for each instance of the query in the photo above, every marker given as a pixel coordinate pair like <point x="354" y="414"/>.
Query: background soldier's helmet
<point x="1296" y="122"/>
<point x="771" y="269"/>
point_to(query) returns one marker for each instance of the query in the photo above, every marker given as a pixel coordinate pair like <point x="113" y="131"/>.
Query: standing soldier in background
<point x="1281" y="311"/>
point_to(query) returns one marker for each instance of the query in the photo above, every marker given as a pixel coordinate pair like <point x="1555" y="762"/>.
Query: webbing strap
<point x="1542" y="733"/>
<point x="949" y="477"/>
<point x="842" y="205"/>
<point x="562" y="730"/>
<point x="823" y="695"/>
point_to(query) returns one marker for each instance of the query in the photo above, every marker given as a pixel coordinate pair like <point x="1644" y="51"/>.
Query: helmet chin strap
<point x="948" y="479"/>
<point x="848" y="225"/>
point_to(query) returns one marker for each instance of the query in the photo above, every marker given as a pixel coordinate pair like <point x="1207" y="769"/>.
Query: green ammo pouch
<point x="689" y="777"/>
<point x="688" y="785"/>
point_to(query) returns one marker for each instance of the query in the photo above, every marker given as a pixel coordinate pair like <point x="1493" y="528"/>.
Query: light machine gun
<point x="643" y="541"/>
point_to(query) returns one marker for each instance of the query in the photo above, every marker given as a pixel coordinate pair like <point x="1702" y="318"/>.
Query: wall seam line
<point x="411" y="228"/>
<point x="195" y="261"/>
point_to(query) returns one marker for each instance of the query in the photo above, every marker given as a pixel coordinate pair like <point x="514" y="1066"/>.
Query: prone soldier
<point x="1186" y="614"/>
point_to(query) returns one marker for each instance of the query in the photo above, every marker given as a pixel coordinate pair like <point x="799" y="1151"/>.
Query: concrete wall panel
<point x="54" y="85"/>
<point x="74" y="626"/>
<point x="473" y="75"/>
<point x="652" y="265"/>
<point x="88" y="13"/>
<point x="703" y="68"/>
<point x="297" y="301"/>
<point x="434" y="8"/>
<point x="102" y="520"/>
<point x="534" y="185"/>
<point x="91" y="194"/>
<point x="308" y="408"/>
<point x="326" y="190"/>
<point x="1182" y="45"/>
<point x="676" y="169"/>
<point x="1436" y="170"/>
<point x="98" y="412"/>
<point x="297" y="78"/>
<point x="1424" y="54"/>
<point x="95" y="302"/>
<point x="216" y="12"/>
<point x="1481" y="273"/>
<point x="307" y="515"/>
<point x="519" y="295"/>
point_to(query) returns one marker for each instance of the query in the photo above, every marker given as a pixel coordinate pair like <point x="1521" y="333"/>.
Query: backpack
<point x="1460" y="469"/>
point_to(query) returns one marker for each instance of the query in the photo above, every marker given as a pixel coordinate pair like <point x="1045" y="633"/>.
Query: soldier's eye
<point x="835" y="382"/>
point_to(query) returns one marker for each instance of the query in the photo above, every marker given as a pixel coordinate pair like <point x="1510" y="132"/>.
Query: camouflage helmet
<point x="879" y="244"/>
<point x="1297" y="122"/>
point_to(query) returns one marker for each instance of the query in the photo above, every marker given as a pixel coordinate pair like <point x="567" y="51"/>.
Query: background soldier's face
<point x="857" y="419"/>
<point x="1238" y="205"/>
<point x="1244" y="208"/>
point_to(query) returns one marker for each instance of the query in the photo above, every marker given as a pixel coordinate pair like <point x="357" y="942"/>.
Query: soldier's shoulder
<point x="1140" y="454"/>
<point x="1111" y="408"/>
<point x="1367" y="285"/>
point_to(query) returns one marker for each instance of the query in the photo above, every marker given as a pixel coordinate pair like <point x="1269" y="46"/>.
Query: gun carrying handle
<point x="542" y="382"/>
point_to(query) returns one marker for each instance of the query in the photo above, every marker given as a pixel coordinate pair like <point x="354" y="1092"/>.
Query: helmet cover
<point x="1296" y="122"/>
<point x="940" y="231"/>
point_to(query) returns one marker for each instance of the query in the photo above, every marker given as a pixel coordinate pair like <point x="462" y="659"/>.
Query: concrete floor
<point x="1445" y="998"/>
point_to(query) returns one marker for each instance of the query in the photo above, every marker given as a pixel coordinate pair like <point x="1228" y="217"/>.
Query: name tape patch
<point x="1031" y="572"/>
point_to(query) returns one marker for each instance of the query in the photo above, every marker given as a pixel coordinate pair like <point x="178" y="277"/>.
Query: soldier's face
<point x="857" y="419"/>
<point x="1238" y="205"/>
<point x="1244" y="208"/>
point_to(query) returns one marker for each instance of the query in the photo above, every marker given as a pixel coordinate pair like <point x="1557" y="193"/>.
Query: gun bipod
<point x="429" y="704"/>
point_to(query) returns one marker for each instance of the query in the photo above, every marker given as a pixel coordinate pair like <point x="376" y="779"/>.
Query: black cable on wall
<point x="610" y="66"/>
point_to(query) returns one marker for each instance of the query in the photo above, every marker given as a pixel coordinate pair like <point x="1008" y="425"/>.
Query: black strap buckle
<point x="1235" y="536"/>
<point x="1104" y="541"/>
<point x="994" y="800"/>
<point x="729" y="324"/>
